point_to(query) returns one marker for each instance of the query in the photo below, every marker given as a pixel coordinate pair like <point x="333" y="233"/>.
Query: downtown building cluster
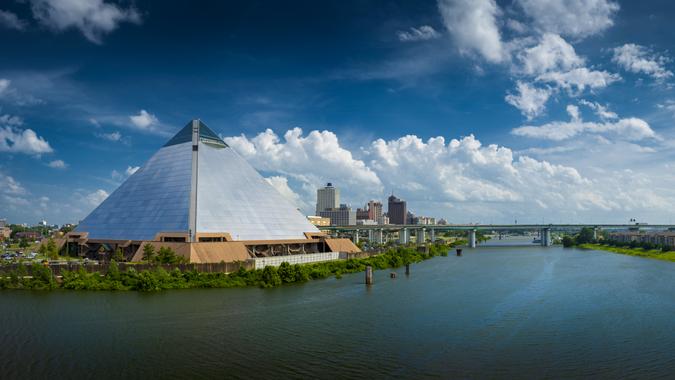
<point x="330" y="212"/>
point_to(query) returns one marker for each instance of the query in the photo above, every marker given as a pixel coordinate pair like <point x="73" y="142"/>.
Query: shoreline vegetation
<point x="586" y="239"/>
<point x="641" y="252"/>
<point x="40" y="277"/>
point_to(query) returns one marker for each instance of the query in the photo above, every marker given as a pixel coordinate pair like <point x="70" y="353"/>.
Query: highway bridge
<point x="381" y="233"/>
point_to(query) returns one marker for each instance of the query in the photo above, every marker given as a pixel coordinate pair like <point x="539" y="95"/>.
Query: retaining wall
<point x="262" y="262"/>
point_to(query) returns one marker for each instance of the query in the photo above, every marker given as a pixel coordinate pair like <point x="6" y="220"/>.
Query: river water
<point x="495" y="312"/>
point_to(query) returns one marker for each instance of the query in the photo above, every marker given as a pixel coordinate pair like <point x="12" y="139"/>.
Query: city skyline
<point x="482" y="111"/>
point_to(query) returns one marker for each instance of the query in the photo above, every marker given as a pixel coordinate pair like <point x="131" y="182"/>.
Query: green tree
<point x="23" y="243"/>
<point x="167" y="255"/>
<point x="52" y="249"/>
<point x="42" y="250"/>
<point x="585" y="236"/>
<point x="148" y="252"/>
<point x="113" y="271"/>
<point x="42" y="277"/>
<point x="118" y="255"/>
<point x="568" y="241"/>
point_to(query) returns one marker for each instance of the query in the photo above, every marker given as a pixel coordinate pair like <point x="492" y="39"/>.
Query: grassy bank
<point x="650" y="253"/>
<point x="40" y="277"/>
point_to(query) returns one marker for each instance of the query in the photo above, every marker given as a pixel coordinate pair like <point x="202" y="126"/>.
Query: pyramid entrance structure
<point x="197" y="196"/>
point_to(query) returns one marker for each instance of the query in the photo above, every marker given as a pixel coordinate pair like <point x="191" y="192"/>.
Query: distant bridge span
<point x="377" y="232"/>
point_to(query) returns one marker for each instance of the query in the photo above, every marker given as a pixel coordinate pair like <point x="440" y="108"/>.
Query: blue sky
<point x="476" y="111"/>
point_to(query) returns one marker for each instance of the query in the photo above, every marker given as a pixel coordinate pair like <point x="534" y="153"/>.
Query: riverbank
<point x="39" y="277"/>
<point x="651" y="253"/>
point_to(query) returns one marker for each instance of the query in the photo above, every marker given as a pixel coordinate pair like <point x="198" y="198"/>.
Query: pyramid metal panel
<point x="154" y="199"/>
<point x="232" y="197"/>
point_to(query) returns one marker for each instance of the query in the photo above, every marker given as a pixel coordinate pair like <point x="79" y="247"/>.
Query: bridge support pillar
<point x="375" y="236"/>
<point x="545" y="235"/>
<point x="355" y="237"/>
<point x="432" y="235"/>
<point x="403" y="236"/>
<point x="421" y="236"/>
<point x="472" y="238"/>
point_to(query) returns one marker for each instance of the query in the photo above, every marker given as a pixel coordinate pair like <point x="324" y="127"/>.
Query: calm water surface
<point x="497" y="312"/>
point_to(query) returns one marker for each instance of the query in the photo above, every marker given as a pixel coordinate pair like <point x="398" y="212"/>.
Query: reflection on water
<point x="509" y="312"/>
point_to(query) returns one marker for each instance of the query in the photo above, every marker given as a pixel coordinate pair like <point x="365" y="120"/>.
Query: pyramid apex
<point x="205" y="134"/>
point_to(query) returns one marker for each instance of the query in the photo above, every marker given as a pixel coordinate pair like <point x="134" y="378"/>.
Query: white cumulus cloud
<point x="476" y="180"/>
<point x="639" y="59"/>
<point x="531" y="101"/>
<point x="311" y="159"/>
<point x="573" y="18"/>
<point x="553" y="61"/>
<point x="144" y="120"/>
<point x="26" y="141"/>
<point x="473" y="26"/>
<point x="96" y="197"/>
<point x="94" y="18"/>
<point x="630" y="129"/>
<point x="552" y="53"/>
<point x="57" y="164"/>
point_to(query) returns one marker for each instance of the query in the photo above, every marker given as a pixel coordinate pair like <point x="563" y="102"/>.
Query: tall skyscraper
<point x="397" y="210"/>
<point x="375" y="211"/>
<point x="327" y="198"/>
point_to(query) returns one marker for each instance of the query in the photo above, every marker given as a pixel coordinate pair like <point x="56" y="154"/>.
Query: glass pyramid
<point x="194" y="184"/>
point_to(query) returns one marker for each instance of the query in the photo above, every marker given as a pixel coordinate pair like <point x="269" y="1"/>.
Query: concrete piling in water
<point x="472" y="239"/>
<point x="369" y="275"/>
<point x="459" y="252"/>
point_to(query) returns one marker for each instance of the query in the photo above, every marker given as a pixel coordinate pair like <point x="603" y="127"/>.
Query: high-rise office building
<point x="375" y="211"/>
<point x="327" y="198"/>
<point x="397" y="210"/>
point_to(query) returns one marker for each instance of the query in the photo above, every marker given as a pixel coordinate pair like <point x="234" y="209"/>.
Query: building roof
<point x="196" y="184"/>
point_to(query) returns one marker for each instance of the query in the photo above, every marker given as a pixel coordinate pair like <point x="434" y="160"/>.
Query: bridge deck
<point x="499" y="227"/>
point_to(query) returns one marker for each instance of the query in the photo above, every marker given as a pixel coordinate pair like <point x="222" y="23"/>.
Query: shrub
<point x="148" y="252"/>
<point x="568" y="241"/>
<point x="270" y="277"/>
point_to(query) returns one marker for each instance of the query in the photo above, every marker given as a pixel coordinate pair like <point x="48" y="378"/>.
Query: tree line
<point x="41" y="277"/>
